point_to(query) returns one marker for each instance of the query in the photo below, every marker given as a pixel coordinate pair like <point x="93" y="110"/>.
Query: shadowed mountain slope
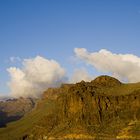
<point x="14" y="109"/>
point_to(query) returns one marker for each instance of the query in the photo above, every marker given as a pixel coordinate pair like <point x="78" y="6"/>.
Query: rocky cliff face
<point x="102" y="108"/>
<point x="87" y="104"/>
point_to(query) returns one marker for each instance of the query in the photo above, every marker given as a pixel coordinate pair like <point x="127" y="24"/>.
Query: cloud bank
<point x="79" y="75"/>
<point x="122" y="66"/>
<point x="36" y="75"/>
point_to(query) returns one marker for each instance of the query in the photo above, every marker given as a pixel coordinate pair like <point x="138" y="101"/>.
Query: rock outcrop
<point x="106" y="81"/>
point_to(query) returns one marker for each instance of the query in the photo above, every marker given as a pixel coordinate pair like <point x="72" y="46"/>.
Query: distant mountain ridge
<point x="104" y="108"/>
<point x="12" y="109"/>
<point x="4" y="98"/>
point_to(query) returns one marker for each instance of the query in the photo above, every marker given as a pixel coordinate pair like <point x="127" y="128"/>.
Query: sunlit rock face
<point x="90" y="104"/>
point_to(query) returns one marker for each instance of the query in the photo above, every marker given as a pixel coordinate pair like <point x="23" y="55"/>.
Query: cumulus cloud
<point x="79" y="75"/>
<point x="123" y="66"/>
<point x="35" y="76"/>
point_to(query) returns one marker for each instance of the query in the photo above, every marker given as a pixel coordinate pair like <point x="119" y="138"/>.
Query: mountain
<point x="104" y="108"/>
<point x="13" y="109"/>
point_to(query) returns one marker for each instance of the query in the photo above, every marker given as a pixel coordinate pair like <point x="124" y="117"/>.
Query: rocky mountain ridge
<point x="13" y="109"/>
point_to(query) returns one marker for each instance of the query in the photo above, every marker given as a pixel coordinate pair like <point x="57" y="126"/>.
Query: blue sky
<point x="53" y="28"/>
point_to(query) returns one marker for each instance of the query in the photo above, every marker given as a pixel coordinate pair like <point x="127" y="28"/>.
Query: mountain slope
<point x="102" y="108"/>
<point x="14" y="109"/>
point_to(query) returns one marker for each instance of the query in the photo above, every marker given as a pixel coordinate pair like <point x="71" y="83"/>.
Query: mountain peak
<point x="105" y="80"/>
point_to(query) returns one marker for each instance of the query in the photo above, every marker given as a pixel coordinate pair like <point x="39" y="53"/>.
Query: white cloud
<point x="36" y="76"/>
<point x="79" y="75"/>
<point x="124" y="66"/>
<point x="14" y="59"/>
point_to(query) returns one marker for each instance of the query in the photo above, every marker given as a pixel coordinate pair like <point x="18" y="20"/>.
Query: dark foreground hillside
<point x="101" y="109"/>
